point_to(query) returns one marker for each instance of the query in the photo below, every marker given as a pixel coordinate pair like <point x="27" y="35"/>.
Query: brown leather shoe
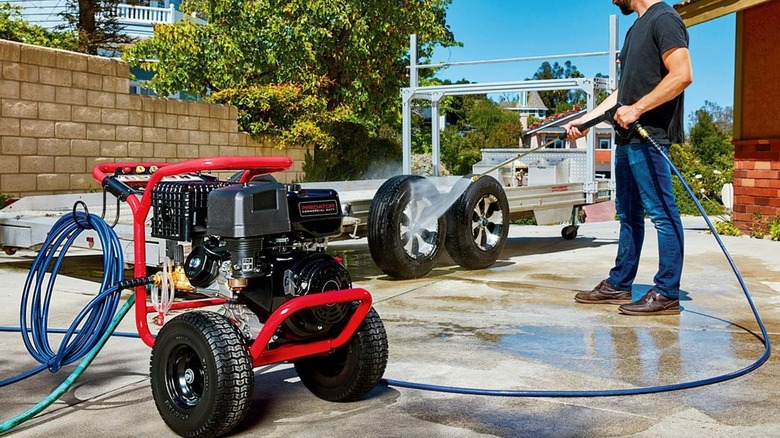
<point x="652" y="303"/>
<point x="604" y="293"/>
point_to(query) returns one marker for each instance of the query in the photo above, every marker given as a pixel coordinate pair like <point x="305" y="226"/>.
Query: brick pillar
<point x="756" y="182"/>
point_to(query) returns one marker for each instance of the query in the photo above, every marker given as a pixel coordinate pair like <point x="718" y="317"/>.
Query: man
<point x="655" y="68"/>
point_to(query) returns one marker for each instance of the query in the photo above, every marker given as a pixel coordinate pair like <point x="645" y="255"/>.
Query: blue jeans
<point x="644" y="185"/>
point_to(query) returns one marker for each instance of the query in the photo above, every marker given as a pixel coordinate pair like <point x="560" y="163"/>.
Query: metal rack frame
<point x="435" y="93"/>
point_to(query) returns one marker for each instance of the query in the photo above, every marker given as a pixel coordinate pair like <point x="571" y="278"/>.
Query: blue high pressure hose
<point x="629" y="391"/>
<point x="91" y="328"/>
<point x="94" y="319"/>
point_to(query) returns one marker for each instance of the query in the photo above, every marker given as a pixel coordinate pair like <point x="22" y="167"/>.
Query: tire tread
<point x="371" y="340"/>
<point x="234" y="385"/>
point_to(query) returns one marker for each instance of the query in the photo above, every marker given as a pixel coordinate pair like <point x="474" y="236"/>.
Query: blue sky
<point x="493" y="29"/>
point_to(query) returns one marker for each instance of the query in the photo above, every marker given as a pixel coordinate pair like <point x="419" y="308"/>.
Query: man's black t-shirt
<point x="659" y="30"/>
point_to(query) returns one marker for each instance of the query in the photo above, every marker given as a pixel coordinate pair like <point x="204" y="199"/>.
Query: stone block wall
<point x="61" y="113"/>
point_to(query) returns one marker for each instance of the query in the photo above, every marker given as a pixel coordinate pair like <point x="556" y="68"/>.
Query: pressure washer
<point x="257" y="248"/>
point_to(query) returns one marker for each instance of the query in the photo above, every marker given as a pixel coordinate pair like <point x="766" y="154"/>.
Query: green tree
<point x="346" y="60"/>
<point x="96" y="25"/>
<point x="499" y="127"/>
<point x="560" y="100"/>
<point x="474" y="122"/>
<point x="460" y="151"/>
<point x="353" y="53"/>
<point x="14" y="28"/>
<point x="710" y="133"/>
<point x="706" y="160"/>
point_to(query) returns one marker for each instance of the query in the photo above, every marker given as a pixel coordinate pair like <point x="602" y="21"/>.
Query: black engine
<point x="259" y="243"/>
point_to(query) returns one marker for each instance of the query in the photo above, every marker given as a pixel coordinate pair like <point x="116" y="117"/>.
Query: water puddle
<point x="643" y="356"/>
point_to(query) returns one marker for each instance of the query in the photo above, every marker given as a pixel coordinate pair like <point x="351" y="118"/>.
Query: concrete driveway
<point x="513" y="326"/>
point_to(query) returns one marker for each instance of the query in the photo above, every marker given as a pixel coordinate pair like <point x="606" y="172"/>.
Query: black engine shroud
<point x="263" y="232"/>
<point x="186" y="211"/>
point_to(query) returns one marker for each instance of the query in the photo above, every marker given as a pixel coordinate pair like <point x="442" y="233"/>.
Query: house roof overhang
<point x="694" y="12"/>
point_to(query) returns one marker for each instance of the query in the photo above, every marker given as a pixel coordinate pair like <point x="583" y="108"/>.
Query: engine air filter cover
<point x="250" y="210"/>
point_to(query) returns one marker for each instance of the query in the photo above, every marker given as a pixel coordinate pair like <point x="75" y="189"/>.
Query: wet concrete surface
<point x="514" y="326"/>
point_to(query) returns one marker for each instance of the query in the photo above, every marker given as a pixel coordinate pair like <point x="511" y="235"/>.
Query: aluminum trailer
<point x="408" y="214"/>
<point x="409" y="220"/>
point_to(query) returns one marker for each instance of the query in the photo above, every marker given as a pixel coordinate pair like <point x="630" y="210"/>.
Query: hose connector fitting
<point x="135" y="282"/>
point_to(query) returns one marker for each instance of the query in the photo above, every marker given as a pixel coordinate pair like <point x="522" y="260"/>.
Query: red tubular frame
<point x="252" y="166"/>
<point x="262" y="356"/>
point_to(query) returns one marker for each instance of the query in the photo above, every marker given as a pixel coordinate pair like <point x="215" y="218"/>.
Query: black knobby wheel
<point x="569" y="232"/>
<point x="201" y="374"/>
<point x="405" y="231"/>
<point x="352" y="371"/>
<point x="478" y="223"/>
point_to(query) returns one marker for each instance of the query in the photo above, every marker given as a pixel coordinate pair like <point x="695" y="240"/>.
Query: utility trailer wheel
<point x="405" y="233"/>
<point x="477" y="223"/>
<point x="201" y="374"/>
<point x="569" y="232"/>
<point x="352" y="371"/>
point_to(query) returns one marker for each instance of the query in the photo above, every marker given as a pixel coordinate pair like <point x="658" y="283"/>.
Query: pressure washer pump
<point x="259" y="245"/>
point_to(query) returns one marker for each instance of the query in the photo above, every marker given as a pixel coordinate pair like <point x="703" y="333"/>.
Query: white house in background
<point x="136" y="17"/>
<point x="529" y="104"/>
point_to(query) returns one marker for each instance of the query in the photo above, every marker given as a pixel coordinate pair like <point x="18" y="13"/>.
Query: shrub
<point x="284" y="111"/>
<point x="705" y="181"/>
<point x="4" y="197"/>
<point x="422" y="164"/>
<point x="343" y="148"/>
<point x="355" y="153"/>
<point x="757" y="229"/>
<point x="727" y="228"/>
<point x="530" y="220"/>
<point x="773" y="228"/>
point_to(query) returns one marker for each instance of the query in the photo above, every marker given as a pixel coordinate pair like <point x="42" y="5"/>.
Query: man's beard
<point x="625" y="6"/>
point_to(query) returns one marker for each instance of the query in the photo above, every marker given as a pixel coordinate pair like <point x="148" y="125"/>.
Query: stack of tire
<point x="410" y="221"/>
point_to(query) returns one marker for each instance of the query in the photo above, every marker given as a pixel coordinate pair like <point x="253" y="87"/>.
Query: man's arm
<point x="678" y="62"/>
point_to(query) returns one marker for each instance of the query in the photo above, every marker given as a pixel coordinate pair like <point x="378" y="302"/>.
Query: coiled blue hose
<point x="629" y="391"/>
<point x="94" y="319"/>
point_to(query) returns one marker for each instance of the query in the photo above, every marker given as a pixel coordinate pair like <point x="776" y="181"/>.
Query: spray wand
<point x="607" y="116"/>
